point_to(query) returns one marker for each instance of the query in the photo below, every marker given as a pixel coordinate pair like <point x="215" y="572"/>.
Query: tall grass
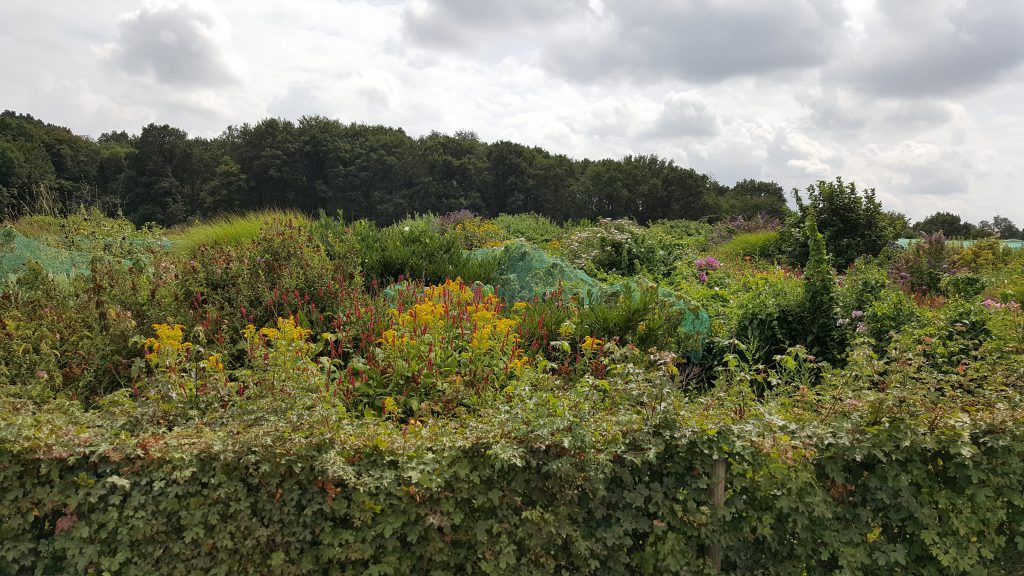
<point x="232" y="229"/>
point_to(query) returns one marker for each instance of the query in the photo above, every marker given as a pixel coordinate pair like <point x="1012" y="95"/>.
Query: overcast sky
<point x="921" y="99"/>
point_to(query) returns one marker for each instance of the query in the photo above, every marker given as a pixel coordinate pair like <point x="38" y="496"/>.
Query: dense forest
<point x="379" y="173"/>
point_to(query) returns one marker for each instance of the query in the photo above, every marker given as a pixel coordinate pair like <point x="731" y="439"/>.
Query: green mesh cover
<point x="525" y="272"/>
<point x="16" y="251"/>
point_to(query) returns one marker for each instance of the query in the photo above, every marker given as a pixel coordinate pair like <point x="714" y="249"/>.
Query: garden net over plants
<point x="525" y="272"/>
<point x="17" y="250"/>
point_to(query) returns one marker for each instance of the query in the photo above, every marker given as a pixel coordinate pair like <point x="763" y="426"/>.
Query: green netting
<point x="1012" y="244"/>
<point x="696" y="324"/>
<point x="16" y="251"/>
<point x="525" y="272"/>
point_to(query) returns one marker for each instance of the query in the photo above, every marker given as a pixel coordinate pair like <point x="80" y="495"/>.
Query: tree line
<point x="380" y="173"/>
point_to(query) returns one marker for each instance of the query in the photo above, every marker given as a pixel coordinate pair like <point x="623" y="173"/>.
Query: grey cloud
<point x="971" y="45"/>
<point x="175" y="44"/>
<point x="700" y="40"/>
<point x="685" y="116"/>
<point x="465" y="24"/>
<point x="850" y="111"/>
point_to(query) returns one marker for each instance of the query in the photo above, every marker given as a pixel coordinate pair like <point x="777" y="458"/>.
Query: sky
<point x="922" y="100"/>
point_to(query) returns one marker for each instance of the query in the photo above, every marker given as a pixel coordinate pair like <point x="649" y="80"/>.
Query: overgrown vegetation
<point x="279" y="394"/>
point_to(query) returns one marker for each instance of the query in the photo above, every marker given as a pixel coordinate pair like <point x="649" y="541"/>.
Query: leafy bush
<point x="442" y="346"/>
<point x="922" y="266"/>
<point x="533" y="228"/>
<point x="595" y="479"/>
<point x="767" y="317"/>
<point x="615" y="246"/>
<point x="633" y="315"/>
<point x="851" y="221"/>
<point x="415" y="249"/>
<point x="964" y="285"/>
<point x="284" y="271"/>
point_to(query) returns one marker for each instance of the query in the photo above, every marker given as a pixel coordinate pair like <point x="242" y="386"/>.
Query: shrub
<point x="441" y="347"/>
<point x="923" y="264"/>
<point x="767" y="317"/>
<point x="819" y="300"/>
<point x="416" y="249"/>
<point x="617" y="247"/>
<point x="533" y="228"/>
<point x="633" y="315"/>
<point x="852" y="223"/>
<point x="982" y="256"/>
<point x="283" y="271"/>
<point x="963" y="285"/>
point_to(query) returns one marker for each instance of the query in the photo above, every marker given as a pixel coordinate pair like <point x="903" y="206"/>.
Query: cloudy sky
<point x="921" y="99"/>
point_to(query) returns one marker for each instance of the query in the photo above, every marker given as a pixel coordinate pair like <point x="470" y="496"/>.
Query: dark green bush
<point x="635" y="315"/>
<point x="852" y="222"/>
<point x="415" y="249"/>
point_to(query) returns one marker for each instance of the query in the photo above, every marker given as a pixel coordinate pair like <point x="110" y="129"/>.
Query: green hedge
<point x="880" y="485"/>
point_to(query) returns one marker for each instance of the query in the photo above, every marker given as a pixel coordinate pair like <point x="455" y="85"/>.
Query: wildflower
<point x="214" y="363"/>
<point x="862" y="328"/>
<point x="590" y="343"/>
<point x="703" y="277"/>
<point x="842" y="322"/>
<point x="566" y="330"/>
<point x="990" y="304"/>
<point x="857" y="314"/>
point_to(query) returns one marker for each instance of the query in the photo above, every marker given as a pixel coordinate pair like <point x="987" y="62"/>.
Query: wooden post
<point x="717" y="495"/>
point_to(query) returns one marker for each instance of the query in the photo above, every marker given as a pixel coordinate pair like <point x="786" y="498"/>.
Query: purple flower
<point x="702" y="277"/>
<point x="861" y="328"/>
<point x="842" y="322"/>
<point x="857" y="314"/>
<point x="990" y="304"/>
<point x="709" y="263"/>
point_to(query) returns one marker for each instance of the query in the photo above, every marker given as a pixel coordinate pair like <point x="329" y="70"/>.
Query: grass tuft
<point x="232" y="229"/>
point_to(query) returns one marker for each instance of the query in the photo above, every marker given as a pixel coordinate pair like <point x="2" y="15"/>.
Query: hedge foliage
<point x="586" y="481"/>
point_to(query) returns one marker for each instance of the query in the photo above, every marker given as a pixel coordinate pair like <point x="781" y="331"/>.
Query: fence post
<point x="717" y="494"/>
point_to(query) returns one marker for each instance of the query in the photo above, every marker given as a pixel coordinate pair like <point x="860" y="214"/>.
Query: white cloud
<point x="921" y="100"/>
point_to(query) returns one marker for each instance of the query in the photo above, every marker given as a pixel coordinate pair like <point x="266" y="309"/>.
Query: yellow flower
<point x="214" y="363"/>
<point x="519" y="306"/>
<point x="590" y="343"/>
<point x="566" y="330"/>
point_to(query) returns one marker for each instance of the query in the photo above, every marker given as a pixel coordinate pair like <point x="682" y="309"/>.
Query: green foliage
<point x="616" y="247"/>
<point x="852" y="222"/>
<point x="924" y="264"/>
<point x="232" y="230"/>
<point x="964" y="285"/>
<point x="634" y="315"/>
<point x="819" y="301"/>
<point x="593" y="480"/>
<point x="533" y="228"/>
<point x="762" y="245"/>
<point x="416" y="249"/>
<point x="766" y="316"/>
<point x="252" y="407"/>
<point x="282" y="271"/>
<point x="955" y="335"/>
